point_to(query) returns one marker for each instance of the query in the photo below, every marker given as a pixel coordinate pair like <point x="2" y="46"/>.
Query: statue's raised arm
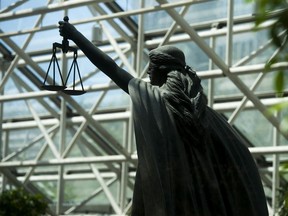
<point x="100" y="59"/>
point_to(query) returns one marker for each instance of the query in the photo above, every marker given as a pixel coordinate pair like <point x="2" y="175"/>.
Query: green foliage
<point x="283" y="192"/>
<point x="17" y="202"/>
<point x="283" y="210"/>
<point x="279" y="81"/>
<point x="278" y="11"/>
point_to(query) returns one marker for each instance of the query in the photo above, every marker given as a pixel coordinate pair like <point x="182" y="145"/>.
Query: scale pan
<point x="73" y="92"/>
<point x="53" y="87"/>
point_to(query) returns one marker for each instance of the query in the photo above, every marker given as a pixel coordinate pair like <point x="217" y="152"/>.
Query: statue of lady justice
<point x="191" y="162"/>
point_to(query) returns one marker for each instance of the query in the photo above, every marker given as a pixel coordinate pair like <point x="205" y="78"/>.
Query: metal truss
<point x="74" y="146"/>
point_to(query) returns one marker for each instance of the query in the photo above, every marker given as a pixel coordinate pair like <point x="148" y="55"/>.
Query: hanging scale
<point x="54" y="66"/>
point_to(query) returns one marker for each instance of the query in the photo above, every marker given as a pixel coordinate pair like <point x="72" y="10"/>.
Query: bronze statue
<point x="191" y="161"/>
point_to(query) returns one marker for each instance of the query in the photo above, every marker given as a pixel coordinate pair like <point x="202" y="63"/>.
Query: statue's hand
<point x="67" y="30"/>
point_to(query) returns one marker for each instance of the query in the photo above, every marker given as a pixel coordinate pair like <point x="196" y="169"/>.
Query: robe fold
<point x="215" y="178"/>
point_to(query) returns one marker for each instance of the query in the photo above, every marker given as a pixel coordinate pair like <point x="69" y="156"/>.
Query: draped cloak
<point x="216" y="178"/>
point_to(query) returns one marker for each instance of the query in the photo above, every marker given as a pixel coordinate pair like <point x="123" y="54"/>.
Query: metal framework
<point x="70" y="146"/>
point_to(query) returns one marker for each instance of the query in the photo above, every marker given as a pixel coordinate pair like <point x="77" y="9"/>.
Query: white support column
<point x="140" y="41"/>
<point x="229" y="35"/>
<point x="62" y="138"/>
<point x="275" y="173"/>
<point x="211" y="66"/>
<point x="123" y="186"/>
<point x="3" y="150"/>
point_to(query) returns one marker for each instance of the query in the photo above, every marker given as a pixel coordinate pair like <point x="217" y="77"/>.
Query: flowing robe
<point x="216" y="178"/>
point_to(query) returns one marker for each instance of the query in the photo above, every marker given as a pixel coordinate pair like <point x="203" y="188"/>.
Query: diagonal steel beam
<point x="40" y="99"/>
<point x="48" y="9"/>
<point x="103" y="184"/>
<point x="20" y="52"/>
<point x="106" y="189"/>
<point x="17" y="57"/>
<point x="41" y="127"/>
<point x="13" y="5"/>
<point x="256" y="82"/>
<point x="167" y="36"/>
<point x="106" y="17"/>
<point x="38" y="157"/>
<point x="223" y="66"/>
<point x="84" y="124"/>
<point x="67" y="161"/>
<point x="98" y="10"/>
<point x="100" y="130"/>
<point x="88" y="144"/>
<point x="90" y="197"/>
<point x="29" y="145"/>
<point x="117" y="49"/>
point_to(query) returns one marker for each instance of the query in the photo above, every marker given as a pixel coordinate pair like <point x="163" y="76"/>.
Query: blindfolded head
<point x="169" y="57"/>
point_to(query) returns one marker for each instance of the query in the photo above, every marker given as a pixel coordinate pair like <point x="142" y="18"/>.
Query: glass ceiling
<point x="79" y="151"/>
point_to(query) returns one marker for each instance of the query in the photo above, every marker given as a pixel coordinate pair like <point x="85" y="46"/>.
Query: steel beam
<point x="41" y="127"/>
<point x="48" y="9"/>
<point x="120" y="158"/>
<point x="219" y="62"/>
<point x="106" y="17"/>
<point x="253" y="87"/>
<point x="91" y="196"/>
<point x="17" y="57"/>
<point x="100" y="130"/>
<point x="276" y="173"/>
<point x="95" y="7"/>
<point x="220" y="107"/>
<point x="229" y="35"/>
<point x="65" y="161"/>
<point x="117" y="49"/>
<point x="13" y="5"/>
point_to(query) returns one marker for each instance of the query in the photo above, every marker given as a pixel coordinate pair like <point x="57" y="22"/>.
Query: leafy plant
<point x="18" y="202"/>
<point x="278" y="11"/>
<point x="283" y="192"/>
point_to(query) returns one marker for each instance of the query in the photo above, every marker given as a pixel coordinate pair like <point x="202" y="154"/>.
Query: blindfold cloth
<point x="167" y="57"/>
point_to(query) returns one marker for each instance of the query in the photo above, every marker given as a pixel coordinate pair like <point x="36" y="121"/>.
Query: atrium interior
<point x="76" y="146"/>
